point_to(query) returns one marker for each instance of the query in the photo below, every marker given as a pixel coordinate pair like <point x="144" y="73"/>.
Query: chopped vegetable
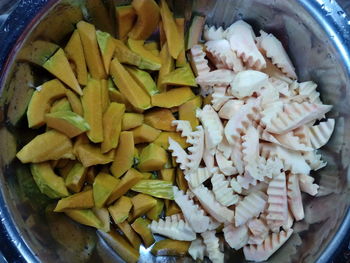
<point x="169" y="247"/>
<point x="156" y="188"/>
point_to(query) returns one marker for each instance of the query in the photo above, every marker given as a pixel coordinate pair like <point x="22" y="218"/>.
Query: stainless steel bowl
<point x="316" y="34"/>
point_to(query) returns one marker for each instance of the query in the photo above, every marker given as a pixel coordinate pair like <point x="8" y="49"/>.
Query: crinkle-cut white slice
<point x="251" y="206"/>
<point x="213" y="224"/>
<point x="270" y="245"/>
<point x="212" y="246"/>
<point x="298" y="99"/>
<point x="199" y="62"/>
<point x="221" y="49"/>
<point x="292" y="160"/>
<point x="237" y="188"/>
<point x="242" y="40"/>
<point x="314" y="160"/>
<point x="216" y="77"/>
<point x="277" y="211"/>
<point x="259" y="231"/>
<point x="246" y="82"/>
<point x="273" y="49"/>
<point x="236" y="237"/>
<point x="174" y="228"/>
<point x="208" y="157"/>
<point x="250" y="149"/>
<point x="245" y="181"/>
<point x="270" y="111"/>
<point x="306" y="184"/>
<point x="225" y="148"/>
<point x="183" y="126"/>
<point x="275" y="72"/>
<point x="179" y="154"/>
<point x="219" y="97"/>
<point x="225" y="165"/>
<point x="196" y="151"/>
<point x="282" y="87"/>
<point x="230" y="108"/>
<point x="218" y="64"/>
<point x="213" y="33"/>
<point x="292" y="142"/>
<point x="260" y="186"/>
<point x="294" y="197"/>
<point x="212" y="124"/>
<point x="269" y="167"/>
<point x="321" y="133"/>
<point x="308" y="88"/>
<point x="294" y="87"/>
<point x="241" y="120"/>
<point x="302" y="133"/>
<point x="197" y="249"/>
<point x="289" y="223"/>
<point x="268" y="94"/>
<point x="206" y="197"/>
<point x="237" y="157"/>
<point x="196" y="177"/>
<point x="266" y="136"/>
<point x="223" y="193"/>
<point x="194" y="215"/>
<point x="256" y="240"/>
<point x="295" y="115"/>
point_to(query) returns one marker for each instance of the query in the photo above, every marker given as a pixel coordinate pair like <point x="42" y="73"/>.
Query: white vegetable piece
<point x="196" y="151"/>
<point x="197" y="177"/>
<point x="246" y="82"/>
<point x="212" y="124"/>
<point x="251" y="206"/>
<point x="259" y="231"/>
<point x="225" y="165"/>
<point x="242" y="40"/>
<point x="221" y="49"/>
<point x="199" y="62"/>
<point x="295" y="115"/>
<point x="213" y="33"/>
<point x="219" y="77"/>
<point x="270" y="245"/>
<point x="294" y="197"/>
<point x="179" y="153"/>
<point x="308" y="88"/>
<point x="193" y="214"/>
<point x="236" y="237"/>
<point x="221" y="213"/>
<point x="173" y="227"/>
<point x="219" y="97"/>
<point x="250" y="150"/>
<point x="183" y="126"/>
<point x="197" y="249"/>
<point x="306" y="184"/>
<point x="277" y="211"/>
<point x="274" y="50"/>
<point x="230" y="108"/>
<point x="212" y="246"/>
<point x="321" y="133"/>
<point x="223" y="193"/>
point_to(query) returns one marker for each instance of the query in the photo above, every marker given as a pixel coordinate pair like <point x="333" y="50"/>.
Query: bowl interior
<point x="312" y="45"/>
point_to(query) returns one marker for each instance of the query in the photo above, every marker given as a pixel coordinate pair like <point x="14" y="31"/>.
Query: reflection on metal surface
<point x="316" y="35"/>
